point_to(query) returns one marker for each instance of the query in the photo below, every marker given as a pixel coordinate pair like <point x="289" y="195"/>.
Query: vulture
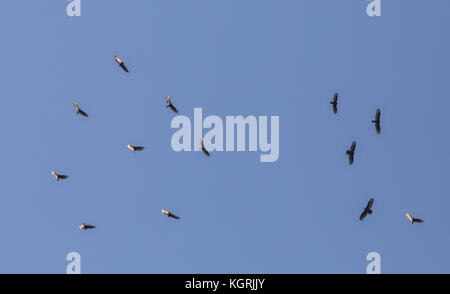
<point x="169" y="214"/>
<point x="413" y="220"/>
<point x="135" y="148"/>
<point x="78" y="110"/>
<point x="86" y="227"/>
<point x="351" y="153"/>
<point x="170" y="105"/>
<point x="202" y="147"/>
<point x="58" y="176"/>
<point x="120" y="62"/>
<point x="377" y="121"/>
<point x="367" y="210"/>
<point x="335" y="102"/>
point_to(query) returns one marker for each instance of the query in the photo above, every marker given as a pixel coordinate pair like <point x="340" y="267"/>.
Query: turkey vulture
<point x="413" y="220"/>
<point x="367" y="210"/>
<point x="377" y="121"/>
<point x="78" y="110"/>
<point x="135" y="148"/>
<point x="121" y="64"/>
<point x="351" y="152"/>
<point x="170" y="105"/>
<point x="335" y="102"/>
<point x="202" y="147"/>
<point x="58" y="176"/>
<point x="86" y="227"/>
<point x="169" y="214"/>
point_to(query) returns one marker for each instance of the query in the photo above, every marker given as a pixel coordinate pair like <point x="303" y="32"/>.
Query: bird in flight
<point x="335" y="102"/>
<point x="367" y="209"/>
<point x="78" y="110"/>
<point x="120" y="62"/>
<point x="202" y="147"/>
<point x="351" y="153"/>
<point x="170" y="105"/>
<point x="377" y="121"/>
<point x="169" y="214"/>
<point x="58" y="176"/>
<point x="86" y="227"/>
<point x="135" y="148"/>
<point x="413" y="220"/>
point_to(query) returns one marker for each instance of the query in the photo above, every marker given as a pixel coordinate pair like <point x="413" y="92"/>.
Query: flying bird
<point x="202" y="147"/>
<point x="169" y="214"/>
<point x="58" y="176"/>
<point x="78" y="110"/>
<point x="367" y="210"/>
<point x="170" y="105"/>
<point x="120" y="62"/>
<point x="335" y="102"/>
<point x="135" y="148"/>
<point x="377" y="121"/>
<point x="351" y="153"/>
<point x="86" y="227"/>
<point x="413" y="220"/>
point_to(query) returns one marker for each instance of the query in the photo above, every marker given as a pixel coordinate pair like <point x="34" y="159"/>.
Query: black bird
<point x="367" y="210"/>
<point x="58" y="176"/>
<point x="377" y="121"/>
<point x="135" y="148"/>
<point x="78" y="110"/>
<point x="202" y="147"/>
<point x="170" y="105"/>
<point x="335" y="102"/>
<point x="86" y="227"/>
<point x="351" y="153"/>
<point x="413" y="220"/>
<point x="169" y="214"/>
<point x="120" y="62"/>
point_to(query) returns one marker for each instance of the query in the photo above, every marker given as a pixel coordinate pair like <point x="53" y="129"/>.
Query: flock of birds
<point x="133" y="148"/>
<point x="350" y="152"/>
<point x="351" y="157"/>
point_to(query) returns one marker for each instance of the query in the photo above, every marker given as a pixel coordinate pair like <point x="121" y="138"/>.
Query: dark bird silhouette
<point x="413" y="220"/>
<point x="202" y="147"/>
<point x="335" y="102"/>
<point x="377" y="121"/>
<point x="169" y="214"/>
<point x="367" y="210"/>
<point x="351" y="153"/>
<point x="86" y="227"/>
<point x="121" y="63"/>
<point x="135" y="148"/>
<point x="170" y="105"/>
<point x="78" y="110"/>
<point x="58" y="176"/>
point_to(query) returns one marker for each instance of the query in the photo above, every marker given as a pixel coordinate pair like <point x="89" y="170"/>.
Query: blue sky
<point x="234" y="57"/>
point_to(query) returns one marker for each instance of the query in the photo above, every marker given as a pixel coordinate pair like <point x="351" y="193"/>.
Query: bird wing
<point x="174" y="216"/>
<point x="418" y="220"/>
<point x="124" y="67"/>
<point x="351" y="158"/>
<point x="335" y="108"/>
<point x="139" y="148"/>
<point x="335" y="98"/>
<point x="370" y="203"/>
<point x="168" y="100"/>
<point x="82" y="112"/>
<point x="352" y="148"/>
<point x="378" y="114"/>
<point x="63" y="176"/>
<point x="363" y="215"/>
<point x="174" y="109"/>
<point x="89" y="226"/>
<point x="409" y="217"/>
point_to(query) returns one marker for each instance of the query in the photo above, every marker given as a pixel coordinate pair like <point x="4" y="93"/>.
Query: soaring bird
<point x="58" y="176"/>
<point x="78" y="110"/>
<point x="170" y="105"/>
<point x="86" y="227"/>
<point x="135" y="148"/>
<point x="202" y="147"/>
<point x="367" y="210"/>
<point x="351" y="152"/>
<point x="169" y="214"/>
<point x="335" y="102"/>
<point x="120" y="62"/>
<point x="413" y="220"/>
<point x="377" y="121"/>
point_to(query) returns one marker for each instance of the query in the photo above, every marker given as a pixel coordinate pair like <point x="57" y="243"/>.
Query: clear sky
<point x="234" y="57"/>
